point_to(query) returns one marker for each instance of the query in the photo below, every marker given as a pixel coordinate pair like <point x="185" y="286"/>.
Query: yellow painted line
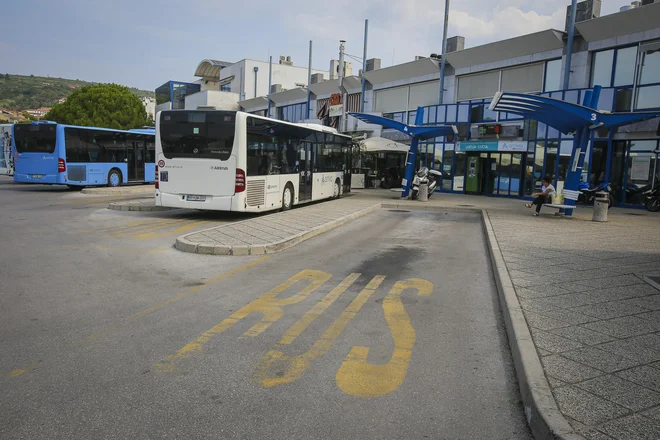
<point x="174" y="231"/>
<point x="144" y="228"/>
<point x="268" y="305"/>
<point x="75" y="202"/>
<point x="290" y="369"/>
<point x="359" y="378"/>
<point x="109" y="249"/>
<point x="21" y="371"/>
<point x="121" y="225"/>
<point x="296" y="329"/>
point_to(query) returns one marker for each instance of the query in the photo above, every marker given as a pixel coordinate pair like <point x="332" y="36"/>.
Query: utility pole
<point x="342" y="120"/>
<point x="569" y="43"/>
<point x="309" y="80"/>
<point x="364" y="66"/>
<point x="270" y="81"/>
<point x="444" y="50"/>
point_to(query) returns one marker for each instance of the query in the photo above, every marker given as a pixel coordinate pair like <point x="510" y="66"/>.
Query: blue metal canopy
<point x="416" y="132"/>
<point x="564" y="116"/>
<point x="421" y="133"/>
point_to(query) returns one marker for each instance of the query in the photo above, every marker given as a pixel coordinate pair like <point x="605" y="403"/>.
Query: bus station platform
<point x="267" y="234"/>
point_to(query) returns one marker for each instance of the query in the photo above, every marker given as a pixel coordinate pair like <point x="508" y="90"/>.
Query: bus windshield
<point x="197" y="134"/>
<point x="34" y="138"/>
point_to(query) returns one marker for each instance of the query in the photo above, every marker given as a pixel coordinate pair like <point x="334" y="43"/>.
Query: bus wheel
<point x="287" y="197"/>
<point x="336" y="191"/>
<point x="114" y="177"/>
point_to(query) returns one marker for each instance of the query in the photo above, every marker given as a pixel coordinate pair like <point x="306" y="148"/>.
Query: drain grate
<point x="466" y="206"/>
<point x="398" y="210"/>
<point x="634" y="213"/>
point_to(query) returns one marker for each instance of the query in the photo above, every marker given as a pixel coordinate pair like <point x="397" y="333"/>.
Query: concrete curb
<point x="119" y="206"/>
<point x="185" y="245"/>
<point x="147" y="190"/>
<point x="543" y="416"/>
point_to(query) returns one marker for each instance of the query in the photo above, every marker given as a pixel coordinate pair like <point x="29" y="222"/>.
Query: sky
<point x="145" y="43"/>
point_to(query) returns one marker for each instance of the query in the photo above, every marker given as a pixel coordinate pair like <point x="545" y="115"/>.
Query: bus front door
<point x="130" y="162"/>
<point x="135" y="161"/>
<point x="139" y="161"/>
<point x="305" y="172"/>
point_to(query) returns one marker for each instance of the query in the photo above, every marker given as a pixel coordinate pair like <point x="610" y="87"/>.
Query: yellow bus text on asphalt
<point x="268" y="305"/>
<point x="355" y="376"/>
<point x="359" y="378"/>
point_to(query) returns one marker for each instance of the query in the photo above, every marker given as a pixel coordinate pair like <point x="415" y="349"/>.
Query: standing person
<point x="547" y="190"/>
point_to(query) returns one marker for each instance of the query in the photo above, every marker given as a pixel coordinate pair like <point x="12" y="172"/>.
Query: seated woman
<point x="547" y="190"/>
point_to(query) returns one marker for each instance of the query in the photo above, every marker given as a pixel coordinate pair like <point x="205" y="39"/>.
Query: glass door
<point x="139" y="160"/>
<point x="305" y="171"/>
<point x="505" y="174"/>
<point x="494" y="176"/>
<point x="130" y="162"/>
<point x="518" y="174"/>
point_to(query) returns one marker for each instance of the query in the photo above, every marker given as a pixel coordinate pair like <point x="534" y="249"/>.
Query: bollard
<point x="423" y="195"/>
<point x="601" y="204"/>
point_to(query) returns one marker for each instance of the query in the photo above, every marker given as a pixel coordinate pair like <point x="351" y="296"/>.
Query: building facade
<point x="499" y="154"/>
<point x="222" y="84"/>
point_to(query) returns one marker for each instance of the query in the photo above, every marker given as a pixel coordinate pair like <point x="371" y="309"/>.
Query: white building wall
<point x="211" y="98"/>
<point x="163" y="106"/>
<point x="288" y="76"/>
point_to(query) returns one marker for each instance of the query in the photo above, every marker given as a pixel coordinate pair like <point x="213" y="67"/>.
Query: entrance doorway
<point x="135" y="155"/>
<point x="305" y="171"/>
<point x="499" y="174"/>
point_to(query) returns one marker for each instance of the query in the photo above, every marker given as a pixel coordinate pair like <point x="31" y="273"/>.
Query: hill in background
<point x="21" y="92"/>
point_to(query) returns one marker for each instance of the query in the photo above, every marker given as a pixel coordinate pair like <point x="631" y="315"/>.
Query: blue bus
<point x="49" y="153"/>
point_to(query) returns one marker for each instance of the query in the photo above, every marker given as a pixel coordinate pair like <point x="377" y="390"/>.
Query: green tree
<point x="101" y="105"/>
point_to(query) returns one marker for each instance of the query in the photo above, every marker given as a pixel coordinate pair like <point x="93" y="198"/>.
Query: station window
<point x="648" y="91"/>
<point x="614" y="67"/>
<point x="552" y="75"/>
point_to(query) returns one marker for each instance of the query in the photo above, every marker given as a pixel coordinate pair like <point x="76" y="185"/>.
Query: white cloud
<point x="414" y="27"/>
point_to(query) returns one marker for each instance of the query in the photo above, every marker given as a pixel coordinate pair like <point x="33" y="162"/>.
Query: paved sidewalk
<point x="594" y="319"/>
<point x="276" y="232"/>
<point x="146" y="204"/>
<point x="147" y="190"/>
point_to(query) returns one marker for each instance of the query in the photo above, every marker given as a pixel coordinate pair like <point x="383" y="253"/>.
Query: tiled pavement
<point x="595" y="321"/>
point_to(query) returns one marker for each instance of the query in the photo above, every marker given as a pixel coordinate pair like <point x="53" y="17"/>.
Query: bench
<point x="568" y="194"/>
<point x="558" y="207"/>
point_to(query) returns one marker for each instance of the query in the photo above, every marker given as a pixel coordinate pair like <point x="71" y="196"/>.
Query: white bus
<point x="235" y="161"/>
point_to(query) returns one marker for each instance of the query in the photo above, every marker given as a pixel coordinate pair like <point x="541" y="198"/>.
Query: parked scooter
<point x="588" y="195"/>
<point x="636" y="195"/>
<point x="425" y="176"/>
<point x="653" y="199"/>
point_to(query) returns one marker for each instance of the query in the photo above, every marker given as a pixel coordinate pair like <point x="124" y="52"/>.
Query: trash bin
<point x="423" y="195"/>
<point x="601" y="204"/>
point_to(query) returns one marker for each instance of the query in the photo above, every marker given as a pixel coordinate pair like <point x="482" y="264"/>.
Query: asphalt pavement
<point x="386" y="328"/>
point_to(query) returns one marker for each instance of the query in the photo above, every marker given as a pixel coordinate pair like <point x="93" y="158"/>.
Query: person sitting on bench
<point x="547" y="190"/>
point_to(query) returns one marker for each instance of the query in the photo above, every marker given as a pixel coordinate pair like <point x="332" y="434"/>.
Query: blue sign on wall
<point x="478" y="146"/>
<point x="493" y="146"/>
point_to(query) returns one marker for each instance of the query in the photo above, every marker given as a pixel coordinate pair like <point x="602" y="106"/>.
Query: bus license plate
<point x="37" y="176"/>
<point x="195" y="198"/>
